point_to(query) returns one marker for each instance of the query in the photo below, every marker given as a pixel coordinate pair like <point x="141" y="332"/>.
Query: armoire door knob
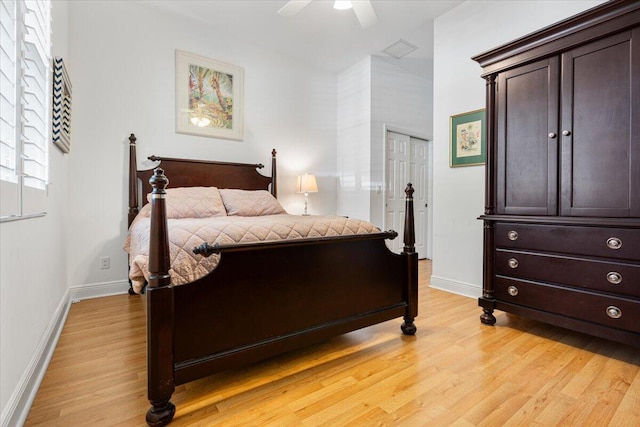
<point x="566" y="132"/>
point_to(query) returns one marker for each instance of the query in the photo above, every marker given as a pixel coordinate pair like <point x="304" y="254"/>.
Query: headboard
<point x="196" y="173"/>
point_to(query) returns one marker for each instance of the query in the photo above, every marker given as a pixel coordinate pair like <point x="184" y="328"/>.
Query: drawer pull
<point x="614" y="312"/>
<point x="512" y="290"/>
<point x="513" y="235"/>
<point x="513" y="263"/>
<point x="614" y="243"/>
<point x="614" y="277"/>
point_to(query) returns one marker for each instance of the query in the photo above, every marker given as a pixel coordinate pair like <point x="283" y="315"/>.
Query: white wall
<point x="354" y="140"/>
<point x="401" y="100"/>
<point x="469" y="29"/>
<point x="33" y="268"/>
<point x="123" y="81"/>
<point x="374" y="93"/>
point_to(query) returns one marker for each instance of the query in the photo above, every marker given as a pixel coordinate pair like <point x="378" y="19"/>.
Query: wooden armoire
<point x="562" y="214"/>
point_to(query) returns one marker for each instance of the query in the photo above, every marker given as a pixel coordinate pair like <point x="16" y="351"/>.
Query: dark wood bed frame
<point x="263" y="299"/>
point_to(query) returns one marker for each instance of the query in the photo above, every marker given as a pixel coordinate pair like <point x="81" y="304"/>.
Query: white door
<point x="406" y="160"/>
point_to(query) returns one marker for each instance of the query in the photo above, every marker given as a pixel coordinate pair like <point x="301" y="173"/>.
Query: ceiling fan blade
<point x="365" y="13"/>
<point x="293" y="7"/>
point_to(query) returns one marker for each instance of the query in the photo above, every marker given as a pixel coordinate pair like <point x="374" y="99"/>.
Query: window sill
<point x="20" y="217"/>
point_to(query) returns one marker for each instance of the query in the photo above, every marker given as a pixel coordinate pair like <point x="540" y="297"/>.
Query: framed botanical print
<point x="468" y="141"/>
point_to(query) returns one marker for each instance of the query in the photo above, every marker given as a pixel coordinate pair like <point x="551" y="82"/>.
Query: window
<point x="25" y="81"/>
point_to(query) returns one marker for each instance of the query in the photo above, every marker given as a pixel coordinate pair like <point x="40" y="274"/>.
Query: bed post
<point x="409" y="252"/>
<point x="160" y="310"/>
<point x="133" y="179"/>
<point x="274" y="188"/>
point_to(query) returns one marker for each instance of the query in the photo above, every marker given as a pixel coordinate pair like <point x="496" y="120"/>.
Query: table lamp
<point x="306" y="184"/>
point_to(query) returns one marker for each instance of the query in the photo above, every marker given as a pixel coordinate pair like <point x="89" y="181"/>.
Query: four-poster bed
<point x="263" y="298"/>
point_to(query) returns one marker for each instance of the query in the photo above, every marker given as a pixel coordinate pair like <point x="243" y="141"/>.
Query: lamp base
<point x="306" y="202"/>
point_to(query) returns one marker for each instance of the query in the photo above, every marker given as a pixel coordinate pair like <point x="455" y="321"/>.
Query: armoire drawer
<point x="619" y="313"/>
<point x="622" y="278"/>
<point x="619" y="243"/>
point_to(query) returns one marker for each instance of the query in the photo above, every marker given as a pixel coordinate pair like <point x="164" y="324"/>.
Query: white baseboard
<point x="96" y="290"/>
<point x="454" y="286"/>
<point x="17" y="408"/>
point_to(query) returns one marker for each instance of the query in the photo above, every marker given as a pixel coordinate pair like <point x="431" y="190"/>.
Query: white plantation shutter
<point x="26" y="106"/>
<point x="35" y="82"/>
<point x="9" y="190"/>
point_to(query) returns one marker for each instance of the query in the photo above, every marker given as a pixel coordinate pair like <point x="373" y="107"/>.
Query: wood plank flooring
<point x="454" y="372"/>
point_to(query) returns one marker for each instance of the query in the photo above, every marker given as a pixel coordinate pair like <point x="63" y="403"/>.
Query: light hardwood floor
<point x="455" y="371"/>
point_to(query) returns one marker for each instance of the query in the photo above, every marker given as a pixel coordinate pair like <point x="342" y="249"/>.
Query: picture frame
<point x="209" y="97"/>
<point x="468" y="139"/>
<point x="61" y="106"/>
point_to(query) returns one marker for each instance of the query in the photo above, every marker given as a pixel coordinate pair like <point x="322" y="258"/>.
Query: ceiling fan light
<point x="342" y="5"/>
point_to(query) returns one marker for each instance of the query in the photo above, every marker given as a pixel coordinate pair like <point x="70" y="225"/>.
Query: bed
<point x="262" y="298"/>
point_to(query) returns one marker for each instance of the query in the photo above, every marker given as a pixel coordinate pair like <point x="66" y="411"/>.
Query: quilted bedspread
<point x="188" y="233"/>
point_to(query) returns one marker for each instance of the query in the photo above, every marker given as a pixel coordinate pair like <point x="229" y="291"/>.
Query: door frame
<point x="411" y="134"/>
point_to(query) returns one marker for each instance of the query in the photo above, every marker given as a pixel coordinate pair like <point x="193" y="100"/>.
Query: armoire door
<point x="600" y="128"/>
<point x="527" y="180"/>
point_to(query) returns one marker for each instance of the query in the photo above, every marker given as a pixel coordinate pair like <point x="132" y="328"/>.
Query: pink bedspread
<point x="188" y="233"/>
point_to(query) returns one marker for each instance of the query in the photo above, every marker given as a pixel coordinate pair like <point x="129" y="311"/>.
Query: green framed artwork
<point x="468" y="140"/>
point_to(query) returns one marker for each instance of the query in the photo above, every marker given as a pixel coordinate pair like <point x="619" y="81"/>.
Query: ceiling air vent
<point x="400" y="49"/>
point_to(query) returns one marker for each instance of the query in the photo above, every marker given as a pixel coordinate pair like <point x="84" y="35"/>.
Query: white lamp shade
<point x="306" y="184"/>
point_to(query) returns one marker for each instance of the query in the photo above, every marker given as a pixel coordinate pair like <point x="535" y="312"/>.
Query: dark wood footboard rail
<point x="188" y="339"/>
<point x="207" y="250"/>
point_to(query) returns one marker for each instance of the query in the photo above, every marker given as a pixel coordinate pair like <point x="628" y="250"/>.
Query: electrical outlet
<point x="105" y="262"/>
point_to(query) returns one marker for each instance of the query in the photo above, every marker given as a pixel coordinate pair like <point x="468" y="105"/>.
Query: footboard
<point x="291" y="296"/>
<point x="268" y="298"/>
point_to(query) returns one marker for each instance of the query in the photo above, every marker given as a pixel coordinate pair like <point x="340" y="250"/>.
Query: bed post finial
<point x="409" y="225"/>
<point x="274" y="187"/>
<point x="133" y="179"/>
<point x="409" y="251"/>
<point x="160" y="310"/>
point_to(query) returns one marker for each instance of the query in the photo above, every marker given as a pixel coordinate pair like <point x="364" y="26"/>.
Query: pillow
<point x="250" y="203"/>
<point x="193" y="202"/>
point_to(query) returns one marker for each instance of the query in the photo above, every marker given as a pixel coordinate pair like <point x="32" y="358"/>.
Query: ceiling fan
<point x="362" y="8"/>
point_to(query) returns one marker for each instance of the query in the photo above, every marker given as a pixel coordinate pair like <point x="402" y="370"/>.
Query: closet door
<point x="527" y="156"/>
<point x="407" y="161"/>
<point x="600" y="173"/>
